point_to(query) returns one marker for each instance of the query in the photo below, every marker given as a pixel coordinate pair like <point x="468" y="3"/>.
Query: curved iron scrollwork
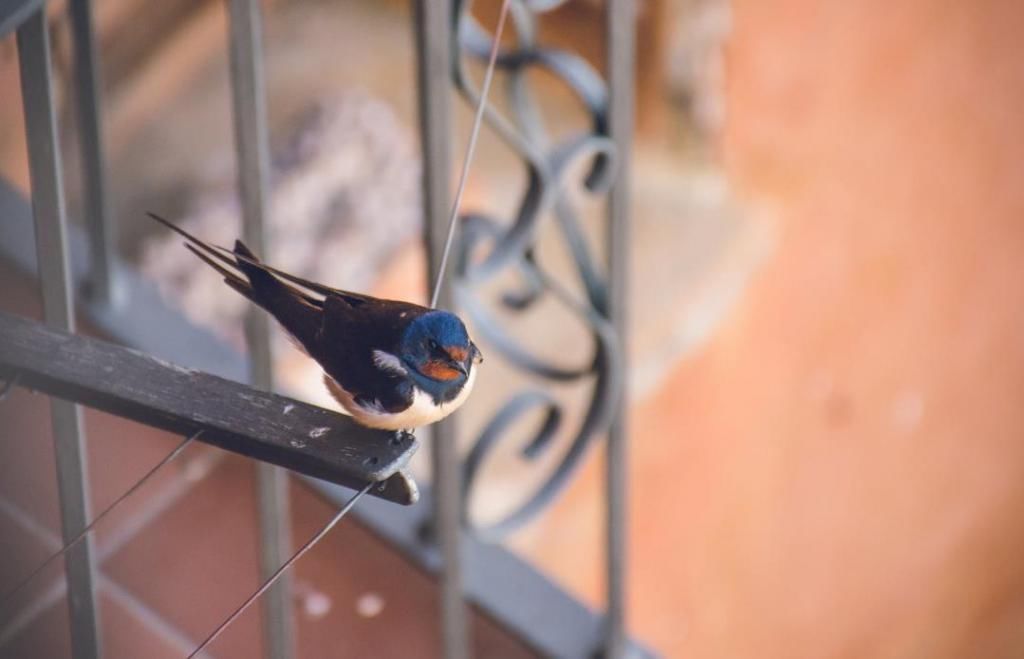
<point x="511" y="247"/>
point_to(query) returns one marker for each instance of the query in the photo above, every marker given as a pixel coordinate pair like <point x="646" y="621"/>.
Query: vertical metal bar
<point x="253" y="163"/>
<point x="55" y="282"/>
<point x="621" y="63"/>
<point x="434" y="53"/>
<point x="94" y="174"/>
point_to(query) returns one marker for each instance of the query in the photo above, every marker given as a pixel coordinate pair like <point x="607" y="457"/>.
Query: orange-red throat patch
<point x="439" y="370"/>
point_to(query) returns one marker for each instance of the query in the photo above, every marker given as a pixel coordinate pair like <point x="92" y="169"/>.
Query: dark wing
<point x="314" y="292"/>
<point x="349" y="336"/>
<point x="298" y="311"/>
<point x="339" y="329"/>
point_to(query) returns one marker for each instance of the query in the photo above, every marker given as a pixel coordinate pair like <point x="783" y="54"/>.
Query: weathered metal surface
<point x="275" y="429"/>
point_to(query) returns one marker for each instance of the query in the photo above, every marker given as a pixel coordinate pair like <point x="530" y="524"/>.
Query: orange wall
<point x="840" y="473"/>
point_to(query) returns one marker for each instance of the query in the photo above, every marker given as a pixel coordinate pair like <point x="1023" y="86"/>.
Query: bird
<point x="390" y="364"/>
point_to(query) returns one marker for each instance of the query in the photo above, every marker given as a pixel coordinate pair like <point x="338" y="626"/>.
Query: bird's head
<point x="437" y="350"/>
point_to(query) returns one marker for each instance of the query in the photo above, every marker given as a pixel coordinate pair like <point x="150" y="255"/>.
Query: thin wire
<point x="81" y="534"/>
<point x="470" y="148"/>
<point x="287" y="564"/>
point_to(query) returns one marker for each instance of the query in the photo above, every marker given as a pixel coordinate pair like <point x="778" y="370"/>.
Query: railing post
<point x="434" y="55"/>
<point x="253" y="165"/>
<point x="55" y="282"/>
<point x="621" y="62"/>
<point x="102" y="285"/>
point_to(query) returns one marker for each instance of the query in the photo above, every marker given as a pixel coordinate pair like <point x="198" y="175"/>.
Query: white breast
<point x="423" y="410"/>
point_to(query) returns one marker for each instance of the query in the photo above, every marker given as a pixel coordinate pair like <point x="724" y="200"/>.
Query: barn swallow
<point x="391" y="365"/>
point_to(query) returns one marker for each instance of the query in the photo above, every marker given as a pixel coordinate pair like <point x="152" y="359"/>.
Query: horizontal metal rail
<point x="304" y="438"/>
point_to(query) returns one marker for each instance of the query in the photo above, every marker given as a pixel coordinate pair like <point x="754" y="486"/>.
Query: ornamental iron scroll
<point x="511" y="248"/>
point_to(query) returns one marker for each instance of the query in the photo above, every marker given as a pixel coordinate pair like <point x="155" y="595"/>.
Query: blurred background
<point x="826" y="324"/>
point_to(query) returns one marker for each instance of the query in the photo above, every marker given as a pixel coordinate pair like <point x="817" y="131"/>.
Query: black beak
<point x="457" y="365"/>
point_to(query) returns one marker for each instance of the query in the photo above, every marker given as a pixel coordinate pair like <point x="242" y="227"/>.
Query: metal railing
<point x="471" y="568"/>
<point x="58" y="312"/>
<point x="253" y="165"/>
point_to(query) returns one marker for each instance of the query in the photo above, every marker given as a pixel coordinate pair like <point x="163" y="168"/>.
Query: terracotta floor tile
<point x="125" y="635"/>
<point x="359" y="598"/>
<point x="46" y="636"/>
<point x="27" y="471"/>
<point x="118" y="451"/>
<point x="198" y="561"/>
<point x="128" y="634"/>
<point x="22" y="552"/>
<point x="26" y="452"/>
<point x="118" y="454"/>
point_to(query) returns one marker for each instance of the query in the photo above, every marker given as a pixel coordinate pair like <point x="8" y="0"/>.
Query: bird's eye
<point x="434" y="345"/>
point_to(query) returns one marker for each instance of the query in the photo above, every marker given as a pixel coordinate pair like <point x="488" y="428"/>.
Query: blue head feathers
<point x="438" y="351"/>
<point x="442" y="326"/>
